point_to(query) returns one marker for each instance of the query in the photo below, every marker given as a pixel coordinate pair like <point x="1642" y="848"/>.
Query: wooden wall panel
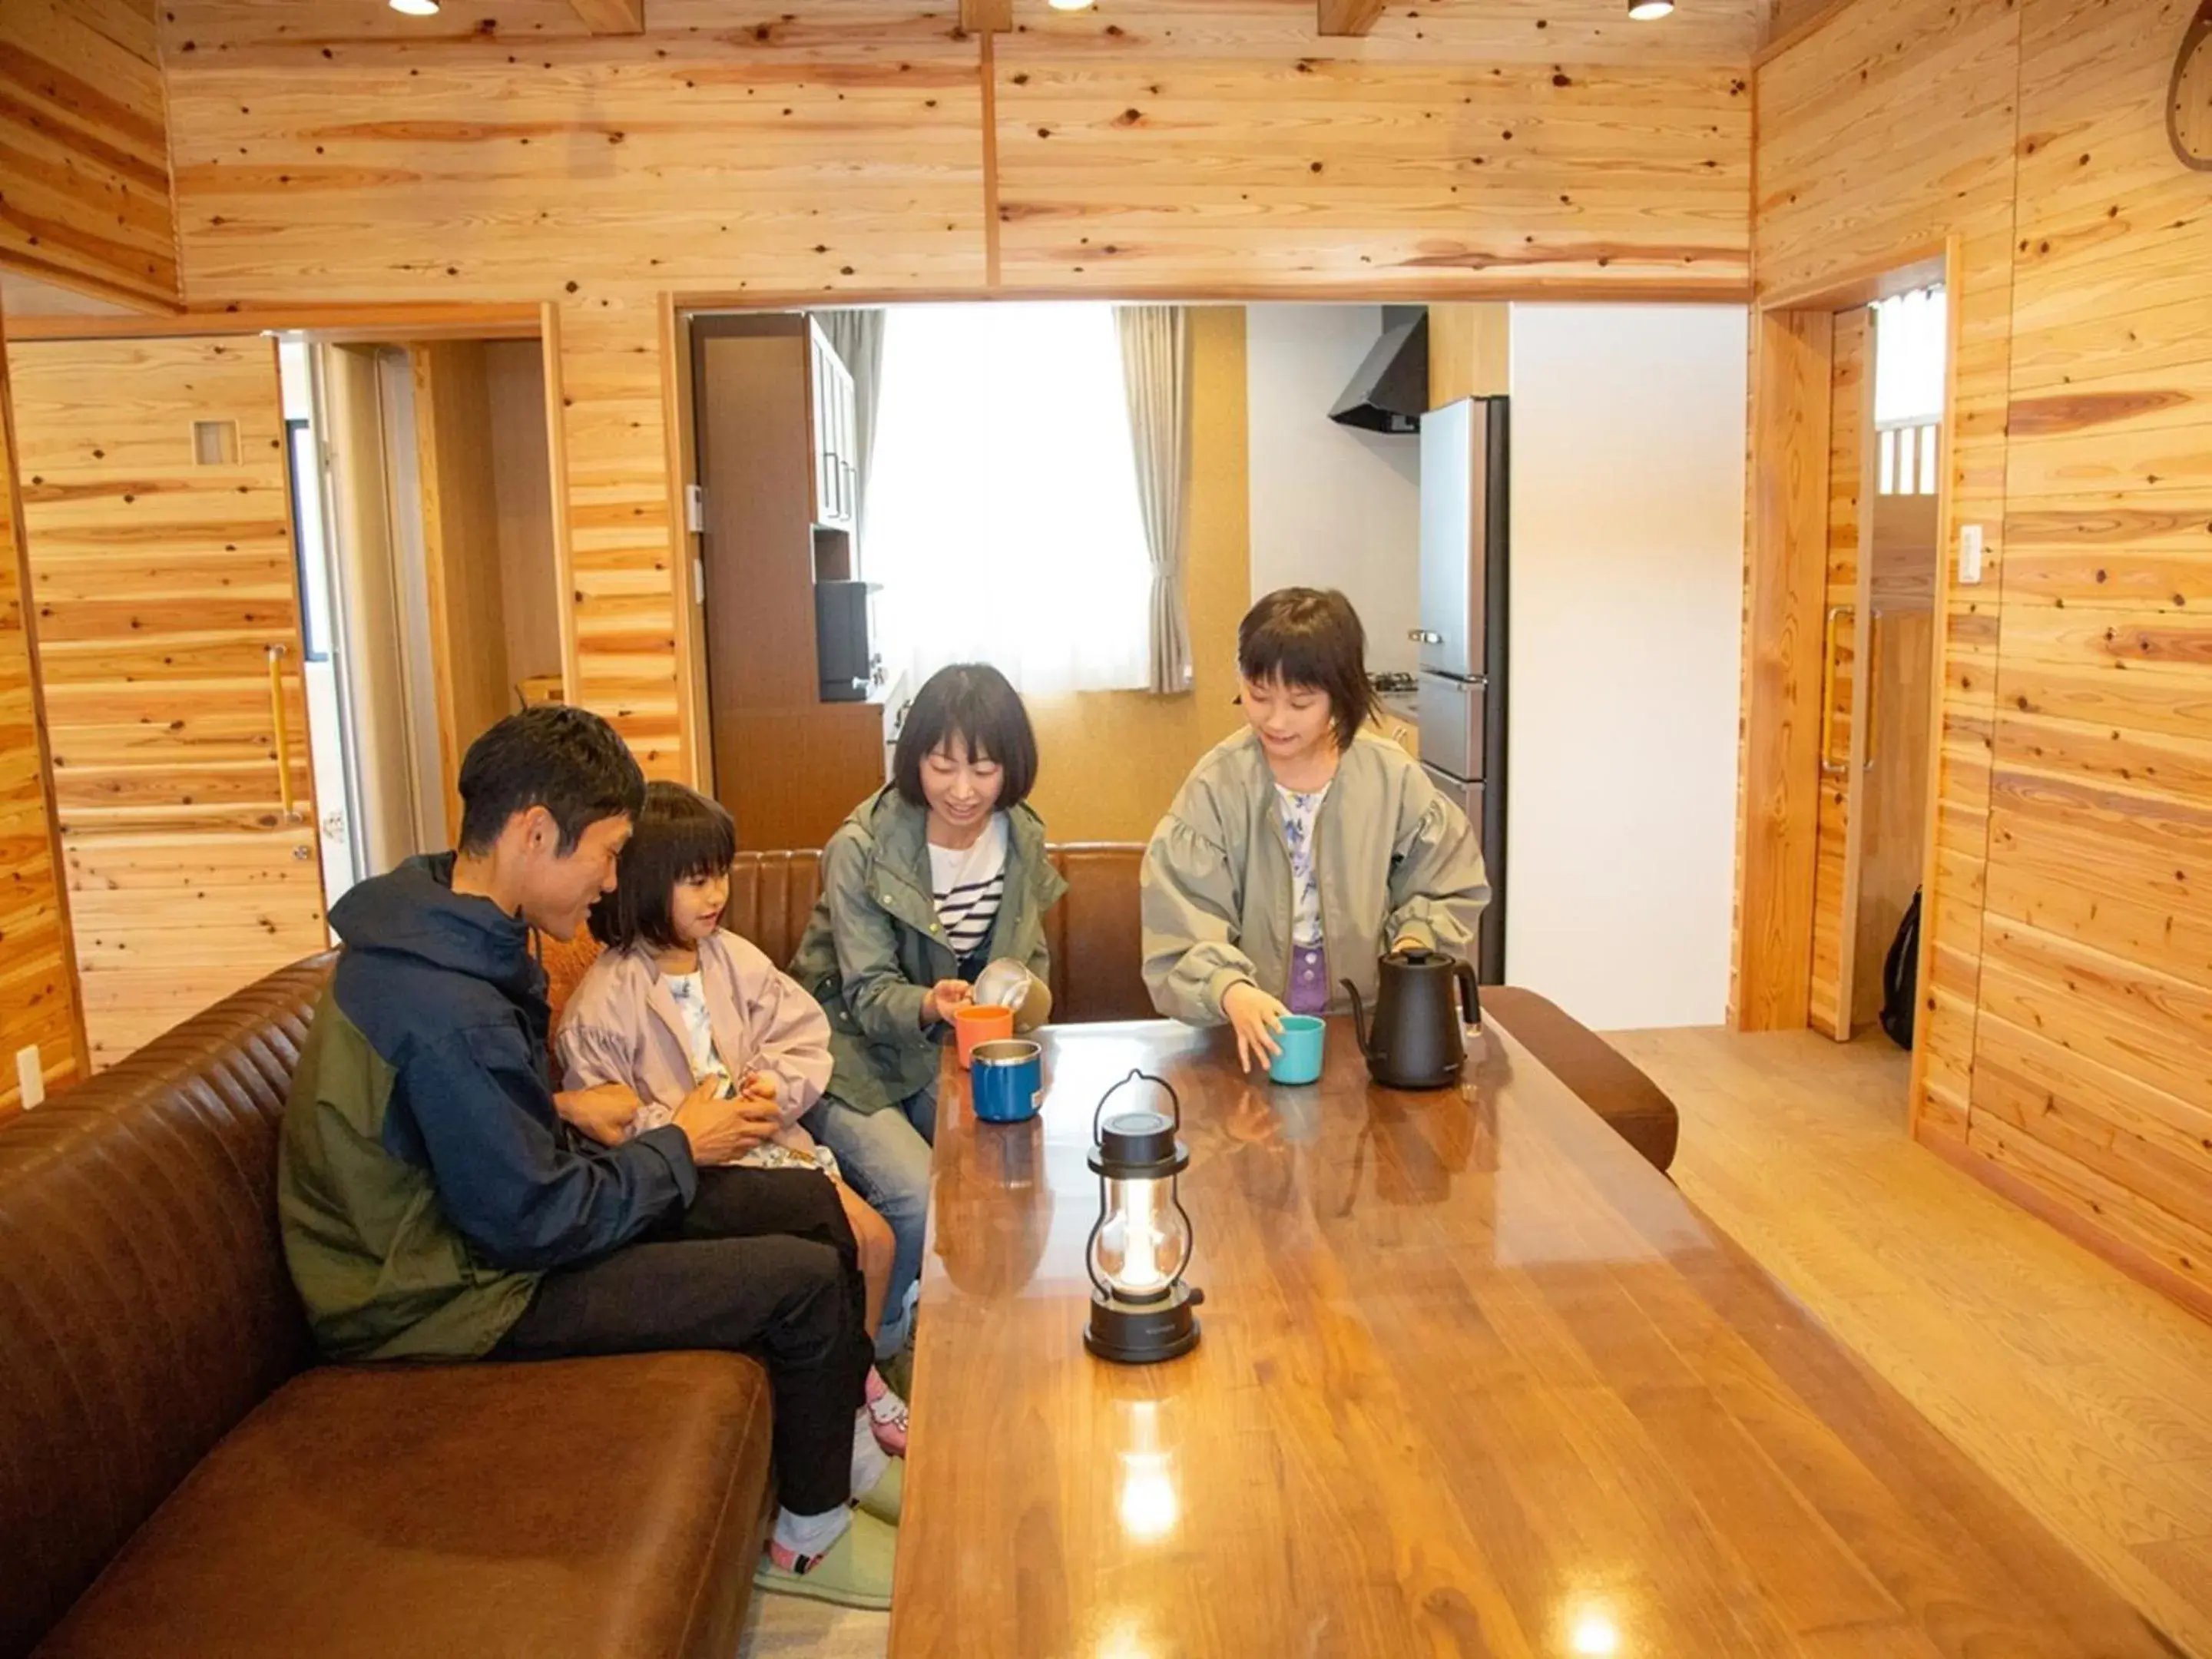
<point x="2099" y="902"/>
<point x="495" y="153"/>
<point x="2071" y="987"/>
<point x="159" y="583"/>
<point x="621" y="541"/>
<point x="84" y="163"/>
<point x="38" y="993"/>
<point x="738" y="147"/>
<point x="1123" y="168"/>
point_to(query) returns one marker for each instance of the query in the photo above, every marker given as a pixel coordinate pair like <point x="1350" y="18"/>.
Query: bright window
<point x="1911" y="337"/>
<point x="1002" y="519"/>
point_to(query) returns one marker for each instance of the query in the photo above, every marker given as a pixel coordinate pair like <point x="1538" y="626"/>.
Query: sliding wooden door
<point x="1899" y="585"/>
<point x="1850" y="402"/>
<point x="1878" y="656"/>
<point x="164" y="591"/>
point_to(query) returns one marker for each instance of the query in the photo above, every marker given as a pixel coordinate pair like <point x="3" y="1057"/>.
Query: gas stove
<point x="1394" y="685"/>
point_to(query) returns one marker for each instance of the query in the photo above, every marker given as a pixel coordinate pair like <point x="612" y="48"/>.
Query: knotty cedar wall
<point x="84" y="199"/>
<point x="37" y="995"/>
<point x="84" y="163"/>
<point x="338" y="152"/>
<point x="2068" y="1021"/>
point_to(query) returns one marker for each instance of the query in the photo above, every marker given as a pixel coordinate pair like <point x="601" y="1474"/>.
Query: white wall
<point x="1627" y="566"/>
<point x="1332" y="505"/>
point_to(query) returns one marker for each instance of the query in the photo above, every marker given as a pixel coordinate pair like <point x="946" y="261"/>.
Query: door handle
<point x="1424" y="636"/>
<point x="1828" y="762"/>
<point x="283" y="733"/>
<point x="1873" y="684"/>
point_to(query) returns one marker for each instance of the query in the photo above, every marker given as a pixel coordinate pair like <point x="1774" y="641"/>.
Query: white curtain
<point x="1003" y="515"/>
<point x="1156" y="375"/>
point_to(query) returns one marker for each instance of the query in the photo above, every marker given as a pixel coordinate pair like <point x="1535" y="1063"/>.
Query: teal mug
<point x="1300" y="1037"/>
<point x="1006" y="1080"/>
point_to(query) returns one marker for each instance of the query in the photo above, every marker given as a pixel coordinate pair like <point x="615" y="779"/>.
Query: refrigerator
<point x="1459" y="698"/>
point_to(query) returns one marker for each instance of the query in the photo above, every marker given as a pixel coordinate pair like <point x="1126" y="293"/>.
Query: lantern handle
<point x="1090" y="1246"/>
<point x="1137" y="1074"/>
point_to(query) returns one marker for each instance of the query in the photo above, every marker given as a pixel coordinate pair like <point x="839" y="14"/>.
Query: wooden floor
<point x="2086" y="1396"/>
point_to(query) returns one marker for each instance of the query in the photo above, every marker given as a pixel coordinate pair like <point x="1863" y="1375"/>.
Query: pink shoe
<point x="886" y="1415"/>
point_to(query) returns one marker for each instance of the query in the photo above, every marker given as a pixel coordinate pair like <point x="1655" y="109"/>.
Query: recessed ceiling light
<point x="416" y="8"/>
<point x="1641" y="11"/>
<point x="1071" y="5"/>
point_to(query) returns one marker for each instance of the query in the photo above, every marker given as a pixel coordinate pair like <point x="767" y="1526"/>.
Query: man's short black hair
<point x="679" y="835"/>
<point x="567" y="760"/>
<point x="1310" y="637"/>
<point x="971" y="701"/>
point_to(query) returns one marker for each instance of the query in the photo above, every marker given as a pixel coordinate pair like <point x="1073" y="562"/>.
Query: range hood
<point x="1390" y="393"/>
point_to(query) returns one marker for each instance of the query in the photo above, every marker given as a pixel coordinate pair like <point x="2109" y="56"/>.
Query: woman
<point x="1303" y="846"/>
<point x="930" y="878"/>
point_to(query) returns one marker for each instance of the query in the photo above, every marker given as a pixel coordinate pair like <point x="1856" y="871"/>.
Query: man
<point x="438" y="1200"/>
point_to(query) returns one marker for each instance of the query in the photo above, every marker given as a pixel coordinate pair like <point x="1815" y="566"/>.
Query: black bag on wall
<point x="1900" y="976"/>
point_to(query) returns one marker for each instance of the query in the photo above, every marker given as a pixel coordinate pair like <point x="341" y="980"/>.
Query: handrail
<point x="282" y="732"/>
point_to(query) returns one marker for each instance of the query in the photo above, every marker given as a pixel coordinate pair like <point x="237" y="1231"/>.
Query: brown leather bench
<point x="1097" y="954"/>
<point x="180" y="1478"/>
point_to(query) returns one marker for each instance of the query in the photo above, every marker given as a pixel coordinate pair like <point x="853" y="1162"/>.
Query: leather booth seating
<point x="1096" y="974"/>
<point x="179" y="1477"/>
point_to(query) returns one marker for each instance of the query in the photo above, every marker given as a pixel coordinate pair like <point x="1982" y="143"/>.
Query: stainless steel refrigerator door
<point x="1455" y="508"/>
<point x="1450" y="714"/>
<point x="1464" y="793"/>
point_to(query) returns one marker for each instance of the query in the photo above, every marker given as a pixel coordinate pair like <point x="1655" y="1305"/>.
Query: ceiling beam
<point x="987" y="16"/>
<point x="1348" y="16"/>
<point x="611" y="17"/>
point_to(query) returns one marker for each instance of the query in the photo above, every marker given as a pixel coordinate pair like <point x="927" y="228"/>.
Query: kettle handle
<point x="1470" y="1001"/>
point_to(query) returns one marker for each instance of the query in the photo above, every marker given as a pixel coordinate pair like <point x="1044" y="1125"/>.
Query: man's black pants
<point x="763" y="1263"/>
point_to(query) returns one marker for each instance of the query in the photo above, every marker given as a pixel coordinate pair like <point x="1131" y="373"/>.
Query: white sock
<point x="811" y="1535"/>
<point x="869" y="1459"/>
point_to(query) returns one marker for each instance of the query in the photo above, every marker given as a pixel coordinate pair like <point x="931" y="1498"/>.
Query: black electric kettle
<point x="1414" y="1040"/>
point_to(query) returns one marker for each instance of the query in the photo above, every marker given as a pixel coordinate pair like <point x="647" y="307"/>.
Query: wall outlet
<point x="30" y="1075"/>
<point x="1970" y="552"/>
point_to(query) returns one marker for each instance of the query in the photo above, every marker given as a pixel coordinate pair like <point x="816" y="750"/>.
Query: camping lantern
<point x="1140" y="1309"/>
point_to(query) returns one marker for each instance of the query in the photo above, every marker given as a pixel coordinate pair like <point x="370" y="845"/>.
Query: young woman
<point x="677" y="1008"/>
<point x="929" y="879"/>
<point x="1303" y="846"/>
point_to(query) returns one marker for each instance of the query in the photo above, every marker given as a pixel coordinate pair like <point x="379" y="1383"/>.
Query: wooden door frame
<point x="1784" y="670"/>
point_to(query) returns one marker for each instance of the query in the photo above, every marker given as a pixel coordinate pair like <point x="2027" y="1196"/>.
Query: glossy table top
<point x="1474" y="1379"/>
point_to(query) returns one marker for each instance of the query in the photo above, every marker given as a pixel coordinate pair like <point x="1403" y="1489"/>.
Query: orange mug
<point x="979" y="1022"/>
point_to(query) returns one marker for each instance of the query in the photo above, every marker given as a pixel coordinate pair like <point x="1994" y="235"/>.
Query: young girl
<point x="927" y="881"/>
<point x="675" y="1006"/>
<point x="1302" y="847"/>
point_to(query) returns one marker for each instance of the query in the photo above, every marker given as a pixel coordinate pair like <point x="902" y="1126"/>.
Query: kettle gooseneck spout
<point x="1361" y="1027"/>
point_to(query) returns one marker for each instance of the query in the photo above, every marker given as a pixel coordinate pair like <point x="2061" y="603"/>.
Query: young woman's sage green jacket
<point x="1396" y="859"/>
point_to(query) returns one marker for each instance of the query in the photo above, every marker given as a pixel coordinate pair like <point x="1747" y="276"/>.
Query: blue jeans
<point x="885" y="1155"/>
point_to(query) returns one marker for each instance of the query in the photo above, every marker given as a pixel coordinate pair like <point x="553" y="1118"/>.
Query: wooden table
<point x="1475" y="1379"/>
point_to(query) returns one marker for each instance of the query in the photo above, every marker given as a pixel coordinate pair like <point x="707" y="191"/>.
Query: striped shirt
<point x="968" y="884"/>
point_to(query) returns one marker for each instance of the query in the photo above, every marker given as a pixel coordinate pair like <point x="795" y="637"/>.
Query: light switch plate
<point x="1970" y="553"/>
<point x="30" y="1075"/>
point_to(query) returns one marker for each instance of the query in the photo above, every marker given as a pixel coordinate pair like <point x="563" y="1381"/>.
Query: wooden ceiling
<point x="1708" y="33"/>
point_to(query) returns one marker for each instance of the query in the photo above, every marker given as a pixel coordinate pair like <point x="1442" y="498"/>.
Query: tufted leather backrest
<point x="1093" y="931"/>
<point x="145" y="1304"/>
